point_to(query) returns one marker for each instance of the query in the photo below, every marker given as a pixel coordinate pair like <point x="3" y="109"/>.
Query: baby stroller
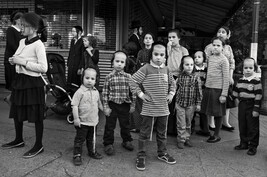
<point x="59" y="87"/>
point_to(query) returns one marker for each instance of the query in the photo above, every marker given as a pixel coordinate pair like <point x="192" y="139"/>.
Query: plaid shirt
<point x="189" y="90"/>
<point x="117" y="89"/>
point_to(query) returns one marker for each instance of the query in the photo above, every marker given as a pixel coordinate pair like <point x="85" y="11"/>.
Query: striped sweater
<point x="218" y="73"/>
<point x="249" y="88"/>
<point x="157" y="83"/>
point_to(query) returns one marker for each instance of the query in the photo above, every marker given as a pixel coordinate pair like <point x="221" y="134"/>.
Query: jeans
<point x="120" y="111"/>
<point x="146" y="130"/>
<point x="184" y="117"/>
<point x="83" y="133"/>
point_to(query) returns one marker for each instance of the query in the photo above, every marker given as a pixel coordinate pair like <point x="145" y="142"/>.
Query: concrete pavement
<point x="204" y="159"/>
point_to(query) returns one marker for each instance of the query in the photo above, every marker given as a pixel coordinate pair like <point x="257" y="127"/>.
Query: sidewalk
<point x="202" y="160"/>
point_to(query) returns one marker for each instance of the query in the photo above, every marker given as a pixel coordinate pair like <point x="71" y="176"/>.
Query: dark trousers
<point x="83" y="133"/>
<point x="121" y="112"/>
<point x="249" y="128"/>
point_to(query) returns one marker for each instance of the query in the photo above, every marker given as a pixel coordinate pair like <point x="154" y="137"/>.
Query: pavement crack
<point x="49" y="162"/>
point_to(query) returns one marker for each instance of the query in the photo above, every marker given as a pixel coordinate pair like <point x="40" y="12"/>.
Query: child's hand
<point x="132" y="109"/>
<point x="169" y="44"/>
<point x="255" y="114"/>
<point x="169" y="98"/>
<point x="231" y="81"/>
<point x="198" y="108"/>
<point x="222" y="99"/>
<point x="146" y="98"/>
<point x="107" y="111"/>
<point x="77" y="122"/>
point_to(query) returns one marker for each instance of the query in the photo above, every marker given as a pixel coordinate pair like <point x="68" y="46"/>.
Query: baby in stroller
<point x="58" y="86"/>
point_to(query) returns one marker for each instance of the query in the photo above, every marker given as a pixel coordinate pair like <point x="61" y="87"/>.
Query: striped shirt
<point x="218" y="73"/>
<point x="249" y="88"/>
<point x="189" y="90"/>
<point x="117" y="89"/>
<point x="158" y="83"/>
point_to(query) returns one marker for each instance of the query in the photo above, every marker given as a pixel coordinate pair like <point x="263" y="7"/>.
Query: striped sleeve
<point x="258" y="96"/>
<point x="198" y="91"/>
<point x="225" y="70"/>
<point x="137" y="79"/>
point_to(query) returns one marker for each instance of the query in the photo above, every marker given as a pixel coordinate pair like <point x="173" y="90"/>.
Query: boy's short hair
<point x="152" y="49"/>
<point x="88" y="69"/>
<point x="118" y="51"/>
<point x="181" y="67"/>
<point x="255" y="63"/>
<point x="175" y="31"/>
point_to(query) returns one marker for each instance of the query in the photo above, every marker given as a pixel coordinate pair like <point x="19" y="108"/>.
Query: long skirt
<point x="27" y="98"/>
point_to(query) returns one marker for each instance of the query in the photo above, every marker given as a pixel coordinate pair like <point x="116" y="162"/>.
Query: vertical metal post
<point x="173" y="14"/>
<point x="255" y="27"/>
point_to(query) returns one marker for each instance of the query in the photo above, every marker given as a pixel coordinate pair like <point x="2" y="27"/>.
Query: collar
<point x="16" y="28"/>
<point x="200" y="68"/>
<point x="117" y="72"/>
<point x="249" y="78"/>
<point x="32" y="40"/>
<point x="83" y="88"/>
<point x="156" y="66"/>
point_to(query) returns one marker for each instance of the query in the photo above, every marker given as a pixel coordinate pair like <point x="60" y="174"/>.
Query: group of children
<point x="167" y="74"/>
<point x="197" y="86"/>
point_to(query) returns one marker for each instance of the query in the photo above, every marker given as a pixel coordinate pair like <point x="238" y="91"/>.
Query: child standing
<point x="188" y="99"/>
<point x="201" y="71"/>
<point x="85" y="105"/>
<point x="159" y="89"/>
<point x="91" y="56"/>
<point x="118" y="103"/>
<point x="249" y="93"/>
<point x="217" y="83"/>
<point x="28" y="95"/>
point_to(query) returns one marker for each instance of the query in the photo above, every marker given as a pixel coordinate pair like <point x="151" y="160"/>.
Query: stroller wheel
<point x="70" y="119"/>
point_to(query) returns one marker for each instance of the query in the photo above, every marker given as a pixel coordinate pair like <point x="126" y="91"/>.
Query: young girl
<point x="75" y="56"/>
<point x="91" y="57"/>
<point x="217" y="83"/>
<point x="28" y="96"/>
<point x="225" y="34"/>
<point x="201" y="71"/>
<point x="249" y="93"/>
<point x="142" y="59"/>
<point x="85" y="105"/>
<point x="158" y="91"/>
<point x="188" y="99"/>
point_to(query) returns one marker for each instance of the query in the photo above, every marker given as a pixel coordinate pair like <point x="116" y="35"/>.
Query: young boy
<point x="85" y="104"/>
<point x="158" y="91"/>
<point x="175" y="51"/>
<point x="249" y="93"/>
<point x="117" y="103"/>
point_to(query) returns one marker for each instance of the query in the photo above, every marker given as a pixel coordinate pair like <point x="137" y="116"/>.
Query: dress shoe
<point x="32" y="153"/>
<point x="13" y="144"/>
<point x="224" y="127"/>
<point x="241" y="147"/>
<point x="252" y="151"/>
<point x="213" y="139"/>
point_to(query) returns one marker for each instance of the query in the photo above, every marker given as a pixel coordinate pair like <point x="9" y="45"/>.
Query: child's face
<point x="198" y="57"/>
<point x="217" y="46"/>
<point x="27" y="29"/>
<point x="172" y="37"/>
<point x="119" y="61"/>
<point x="148" y="40"/>
<point x="158" y="54"/>
<point x="222" y="33"/>
<point x="89" y="78"/>
<point x="86" y="43"/>
<point x="248" y="68"/>
<point x="188" y="65"/>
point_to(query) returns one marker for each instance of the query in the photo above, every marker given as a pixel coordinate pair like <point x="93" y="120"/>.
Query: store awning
<point x="200" y="15"/>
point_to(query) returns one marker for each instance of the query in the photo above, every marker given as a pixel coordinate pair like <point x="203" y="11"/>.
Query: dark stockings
<point x="19" y="130"/>
<point x="218" y="125"/>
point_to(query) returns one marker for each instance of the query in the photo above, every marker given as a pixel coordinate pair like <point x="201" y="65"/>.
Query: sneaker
<point x="77" y="160"/>
<point x="95" y="155"/>
<point x="140" y="163"/>
<point x="188" y="143"/>
<point x="241" y="147"/>
<point x="180" y="145"/>
<point x="109" y="149"/>
<point x="167" y="158"/>
<point x="13" y="144"/>
<point x="252" y="151"/>
<point x="31" y="153"/>
<point x="128" y="145"/>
